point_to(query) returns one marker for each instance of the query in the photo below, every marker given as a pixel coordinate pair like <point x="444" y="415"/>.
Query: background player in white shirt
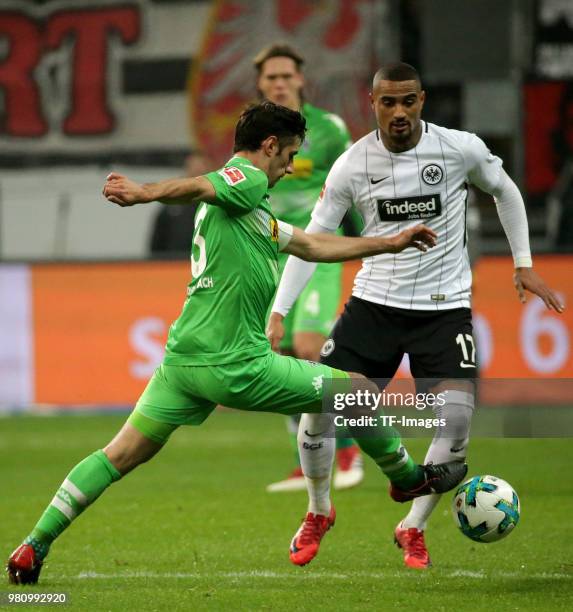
<point x="405" y="172"/>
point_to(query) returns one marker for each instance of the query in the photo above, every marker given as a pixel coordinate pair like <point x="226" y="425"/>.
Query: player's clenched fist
<point x="419" y="237"/>
<point x="123" y="191"/>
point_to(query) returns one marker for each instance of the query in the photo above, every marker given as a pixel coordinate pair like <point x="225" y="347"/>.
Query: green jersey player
<point x="308" y="324"/>
<point x="217" y="351"/>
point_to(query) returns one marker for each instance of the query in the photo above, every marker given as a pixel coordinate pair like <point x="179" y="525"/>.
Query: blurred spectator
<point x="174" y="224"/>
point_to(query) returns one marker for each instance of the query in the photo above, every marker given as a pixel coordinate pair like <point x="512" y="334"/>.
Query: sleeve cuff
<point x="218" y="184"/>
<point x="285" y="234"/>
<point x="279" y="310"/>
<point x="523" y="262"/>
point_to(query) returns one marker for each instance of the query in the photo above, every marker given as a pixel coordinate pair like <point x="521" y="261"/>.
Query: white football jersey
<point x="393" y="191"/>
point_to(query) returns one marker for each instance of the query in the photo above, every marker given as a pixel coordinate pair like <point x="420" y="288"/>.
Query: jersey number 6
<point x="198" y="267"/>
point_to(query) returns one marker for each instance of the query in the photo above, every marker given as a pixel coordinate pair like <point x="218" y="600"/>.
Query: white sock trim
<point x="63" y="507"/>
<point x="75" y="492"/>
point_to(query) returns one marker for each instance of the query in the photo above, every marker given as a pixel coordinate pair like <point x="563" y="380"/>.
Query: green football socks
<point x="83" y="485"/>
<point x="393" y="459"/>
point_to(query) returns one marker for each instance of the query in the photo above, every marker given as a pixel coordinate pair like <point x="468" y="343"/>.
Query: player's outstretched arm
<point x="513" y="217"/>
<point x="123" y="191"/>
<point x="331" y="248"/>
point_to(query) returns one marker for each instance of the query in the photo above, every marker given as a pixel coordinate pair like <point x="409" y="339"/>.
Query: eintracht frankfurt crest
<point x="432" y="174"/>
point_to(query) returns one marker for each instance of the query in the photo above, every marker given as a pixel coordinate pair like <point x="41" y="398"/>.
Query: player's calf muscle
<point x="129" y="449"/>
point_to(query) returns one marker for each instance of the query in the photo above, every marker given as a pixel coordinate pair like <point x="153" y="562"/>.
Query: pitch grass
<point x="194" y="529"/>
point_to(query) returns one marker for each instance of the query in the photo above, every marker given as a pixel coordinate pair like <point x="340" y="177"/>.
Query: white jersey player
<point x="396" y="190"/>
<point x="405" y="172"/>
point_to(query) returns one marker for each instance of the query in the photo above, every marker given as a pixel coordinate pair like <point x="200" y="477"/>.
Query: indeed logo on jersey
<point x="416" y="207"/>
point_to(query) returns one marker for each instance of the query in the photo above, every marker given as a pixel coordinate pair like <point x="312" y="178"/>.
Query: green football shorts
<point x="316" y="308"/>
<point x="186" y="395"/>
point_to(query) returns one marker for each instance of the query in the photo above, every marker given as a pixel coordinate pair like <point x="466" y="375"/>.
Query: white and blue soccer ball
<point x="486" y="508"/>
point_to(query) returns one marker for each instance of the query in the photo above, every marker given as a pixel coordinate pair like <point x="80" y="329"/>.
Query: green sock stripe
<point x="150" y="428"/>
<point x="393" y="461"/>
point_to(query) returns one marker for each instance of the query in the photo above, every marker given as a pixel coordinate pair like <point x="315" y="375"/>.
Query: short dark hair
<point x="396" y="71"/>
<point x="277" y="50"/>
<point x="259" y="121"/>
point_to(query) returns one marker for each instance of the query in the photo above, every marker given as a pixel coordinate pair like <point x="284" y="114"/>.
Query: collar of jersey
<point x="242" y="160"/>
<point x="246" y="162"/>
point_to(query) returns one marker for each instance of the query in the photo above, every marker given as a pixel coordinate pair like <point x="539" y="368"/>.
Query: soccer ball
<point x="486" y="508"/>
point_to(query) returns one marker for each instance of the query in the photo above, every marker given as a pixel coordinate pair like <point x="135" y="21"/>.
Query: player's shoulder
<point x="357" y="149"/>
<point x="347" y="167"/>
<point x="314" y="114"/>
<point x="238" y="170"/>
<point x="458" y="139"/>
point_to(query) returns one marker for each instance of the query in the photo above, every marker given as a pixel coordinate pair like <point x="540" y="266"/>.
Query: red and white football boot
<point x="306" y="541"/>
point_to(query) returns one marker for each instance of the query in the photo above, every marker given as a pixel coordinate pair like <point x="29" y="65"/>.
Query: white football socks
<point x="316" y="448"/>
<point x="449" y="443"/>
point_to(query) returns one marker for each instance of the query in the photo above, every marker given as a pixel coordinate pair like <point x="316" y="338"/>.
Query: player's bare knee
<point x="307" y="346"/>
<point x="307" y="353"/>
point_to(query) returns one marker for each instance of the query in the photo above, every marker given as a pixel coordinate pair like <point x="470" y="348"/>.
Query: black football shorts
<point x="371" y="339"/>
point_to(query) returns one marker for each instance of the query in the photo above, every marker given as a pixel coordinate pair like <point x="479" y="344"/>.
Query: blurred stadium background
<point x="87" y="291"/>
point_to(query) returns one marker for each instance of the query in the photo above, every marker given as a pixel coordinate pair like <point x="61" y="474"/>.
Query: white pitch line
<point x="479" y="575"/>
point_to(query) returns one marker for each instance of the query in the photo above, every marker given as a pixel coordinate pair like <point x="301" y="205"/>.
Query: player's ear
<point x="422" y="99"/>
<point x="270" y="146"/>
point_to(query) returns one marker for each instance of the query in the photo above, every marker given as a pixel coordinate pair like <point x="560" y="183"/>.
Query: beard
<point x="403" y="135"/>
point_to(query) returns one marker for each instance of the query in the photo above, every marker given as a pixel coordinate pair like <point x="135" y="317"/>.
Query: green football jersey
<point x="327" y="137"/>
<point x="234" y="269"/>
